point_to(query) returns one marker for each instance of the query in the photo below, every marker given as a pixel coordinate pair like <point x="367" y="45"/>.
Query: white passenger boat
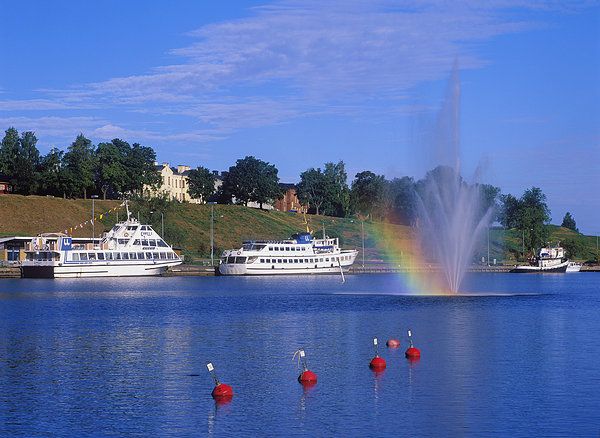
<point x="551" y="259"/>
<point x="573" y="267"/>
<point x="129" y="249"/>
<point x="299" y="255"/>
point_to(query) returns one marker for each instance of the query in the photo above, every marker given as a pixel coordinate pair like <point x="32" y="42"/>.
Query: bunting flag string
<point x="70" y="230"/>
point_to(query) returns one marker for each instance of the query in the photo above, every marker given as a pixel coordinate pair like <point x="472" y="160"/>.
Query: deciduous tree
<point x="80" y="165"/>
<point x="201" y="183"/>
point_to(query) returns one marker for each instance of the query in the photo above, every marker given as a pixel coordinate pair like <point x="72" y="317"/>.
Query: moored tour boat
<point x="573" y="267"/>
<point x="548" y="260"/>
<point x="302" y="254"/>
<point x="129" y="249"/>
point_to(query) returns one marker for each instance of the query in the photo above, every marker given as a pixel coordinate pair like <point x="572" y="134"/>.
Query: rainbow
<point x="417" y="274"/>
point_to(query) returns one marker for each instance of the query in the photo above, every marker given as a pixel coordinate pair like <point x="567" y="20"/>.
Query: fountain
<point x="451" y="214"/>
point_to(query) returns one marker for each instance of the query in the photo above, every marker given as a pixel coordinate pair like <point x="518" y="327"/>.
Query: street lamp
<point x="362" y="227"/>
<point x="162" y="224"/>
<point x="488" y="239"/>
<point x="94" y="197"/>
<point x="212" y="232"/>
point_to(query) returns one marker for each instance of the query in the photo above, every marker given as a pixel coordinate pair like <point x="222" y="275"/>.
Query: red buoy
<point x="222" y="391"/>
<point x="307" y="377"/>
<point x="377" y="363"/>
<point x="412" y="353"/>
<point x="393" y="343"/>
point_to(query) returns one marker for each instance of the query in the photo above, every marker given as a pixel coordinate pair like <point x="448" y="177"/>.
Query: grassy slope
<point x="30" y="215"/>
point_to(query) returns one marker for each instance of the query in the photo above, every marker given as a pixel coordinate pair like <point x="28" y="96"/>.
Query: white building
<point x="174" y="183"/>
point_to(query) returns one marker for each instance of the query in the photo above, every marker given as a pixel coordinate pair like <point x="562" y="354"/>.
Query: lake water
<point x="126" y="357"/>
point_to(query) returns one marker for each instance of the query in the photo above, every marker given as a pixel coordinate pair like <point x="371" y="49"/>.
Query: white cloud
<point x="296" y="58"/>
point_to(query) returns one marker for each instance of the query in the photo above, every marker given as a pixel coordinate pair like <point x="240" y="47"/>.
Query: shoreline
<point x="209" y="271"/>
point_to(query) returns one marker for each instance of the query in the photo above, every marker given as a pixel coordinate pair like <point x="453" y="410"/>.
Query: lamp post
<point x="488" y="239"/>
<point x="362" y="227"/>
<point x="523" y="253"/>
<point x="212" y="232"/>
<point x="162" y="224"/>
<point x="94" y="197"/>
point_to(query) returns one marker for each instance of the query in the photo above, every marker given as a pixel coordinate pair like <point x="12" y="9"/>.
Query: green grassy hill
<point x="188" y="226"/>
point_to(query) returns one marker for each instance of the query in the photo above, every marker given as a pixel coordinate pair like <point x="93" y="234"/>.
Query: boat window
<point x="162" y="243"/>
<point x="152" y="242"/>
<point x="109" y="256"/>
<point x="149" y="255"/>
<point x="140" y="256"/>
<point x="145" y="242"/>
<point x="117" y="256"/>
<point x="169" y="255"/>
<point x="100" y="256"/>
<point x="262" y="260"/>
<point x="75" y="256"/>
<point x="83" y="256"/>
<point x="278" y="260"/>
<point x="240" y="260"/>
<point x="327" y="259"/>
<point x="125" y="256"/>
<point x="144" y="227"/>
<point x="285" y="260"/>
<point x="287" y="248"/>
<point x="123" y="241"/>
<point x="91" y="256"/>
<point x="270" y="248"/>
<point x="132" y="256"/>
<point x="136" y="242"/>
<point x="131" y="227"/>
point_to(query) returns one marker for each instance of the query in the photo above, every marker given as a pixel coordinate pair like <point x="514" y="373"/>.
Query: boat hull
<point x="95" y="270"/>
<point x="285" y="268"/>
<point x="243" y="270"/>
<point x="540" y="270"/>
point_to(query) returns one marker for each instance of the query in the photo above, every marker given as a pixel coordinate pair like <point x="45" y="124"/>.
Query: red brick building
<point x="5" y="185"/>
<point x="290" y="201"/>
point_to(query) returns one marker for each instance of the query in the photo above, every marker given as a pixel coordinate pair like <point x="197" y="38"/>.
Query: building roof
<point x="287" y="186"/>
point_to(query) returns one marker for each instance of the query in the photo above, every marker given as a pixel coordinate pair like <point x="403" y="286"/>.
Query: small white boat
<point x="573" y="267"/>
<point x="551" y="259"/>
<point x="299" y="255"/>
<point x="129" y="249"/>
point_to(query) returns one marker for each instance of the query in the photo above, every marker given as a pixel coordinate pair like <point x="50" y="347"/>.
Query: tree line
<point x="117" y="169"/>
<point x="113" y="168"/>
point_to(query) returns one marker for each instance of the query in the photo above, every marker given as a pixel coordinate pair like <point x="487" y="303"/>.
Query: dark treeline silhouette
<point x="113" y="168"/>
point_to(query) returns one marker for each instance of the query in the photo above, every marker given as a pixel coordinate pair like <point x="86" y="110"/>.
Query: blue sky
<point x="299" y="83"/>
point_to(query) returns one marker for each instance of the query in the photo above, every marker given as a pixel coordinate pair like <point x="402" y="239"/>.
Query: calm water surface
<point x="126" y="357"/>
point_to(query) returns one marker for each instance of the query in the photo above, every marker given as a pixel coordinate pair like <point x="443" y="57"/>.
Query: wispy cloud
<point x="296" y="58"/>
<point x="61" y="128"/>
